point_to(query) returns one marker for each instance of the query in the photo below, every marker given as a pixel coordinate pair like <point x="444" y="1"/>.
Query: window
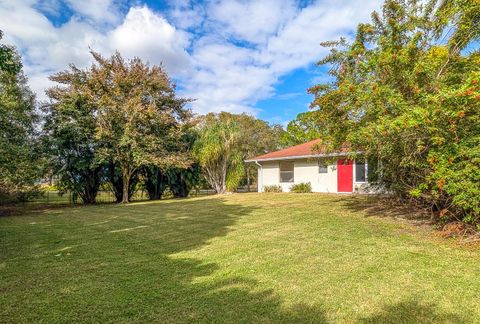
<point x="360" y="171"/>
<point x="286" y="171"/>
<point x="322" y="167"/>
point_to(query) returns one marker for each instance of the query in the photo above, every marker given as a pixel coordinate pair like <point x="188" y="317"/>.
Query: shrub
<point x="301" y="187"/>
<point x="272" y="188"/>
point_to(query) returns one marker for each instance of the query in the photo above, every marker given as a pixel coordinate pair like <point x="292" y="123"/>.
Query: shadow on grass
<point x="138" y="275"/>
<point x="143" y="275"/>
<point x="379" y="206"/>
<point x="413" y="312"/>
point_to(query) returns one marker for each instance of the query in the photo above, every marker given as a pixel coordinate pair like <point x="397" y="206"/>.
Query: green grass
<point x="235" y="258"/>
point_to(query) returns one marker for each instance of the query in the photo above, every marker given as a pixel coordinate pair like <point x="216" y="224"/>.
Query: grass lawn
<point x="235" y="258"/>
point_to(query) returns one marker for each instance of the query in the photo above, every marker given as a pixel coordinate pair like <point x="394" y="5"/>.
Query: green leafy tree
<point x="9" y="59"/>
<point x="257" y="137"/>
<point x="226" y="140"/>
<point x="179" y="180"/>
<point x="219" y="152"/>
<point x="139" y="118"/>
<point x="70" y="135"/>
<point x="156" y="181"/>
<point x="302" y="129"/>
<point x="20" y="159"/>
<point x="406" y="94"/>
<point x="182" y="180"/>
<point x="114" y="180"/>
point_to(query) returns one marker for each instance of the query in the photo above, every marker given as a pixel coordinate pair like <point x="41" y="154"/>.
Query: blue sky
<point x="239" y="56"/>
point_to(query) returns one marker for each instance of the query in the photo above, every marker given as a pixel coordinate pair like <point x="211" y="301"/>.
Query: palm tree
<point x="218" y="152"/>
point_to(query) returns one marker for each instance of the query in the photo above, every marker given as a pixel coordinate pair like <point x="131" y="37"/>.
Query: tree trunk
<point x="126" y="183"/>
<point x="223" y="181"/>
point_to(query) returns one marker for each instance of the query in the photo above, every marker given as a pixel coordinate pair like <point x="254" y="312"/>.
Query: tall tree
<point x="70" y="135"/>
<point x="405" y="94"/>
<point x="140" y="118"/>
<point x="257" y="137"/>
<point x="226" y="140"/>
<point x="219" y="153"/>
<point x="19" y="155"/>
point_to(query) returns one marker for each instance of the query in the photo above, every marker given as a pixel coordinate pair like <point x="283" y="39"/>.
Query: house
<point x="309" y="162"/>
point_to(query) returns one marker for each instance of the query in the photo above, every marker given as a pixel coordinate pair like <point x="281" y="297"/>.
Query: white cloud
<point x="230" y="77"/>
<point x="252" y="21"/>
<point x="47" y="49"/>
<point x="227" y="54"/>
<point x="100" y="11"/>
<point x="186" y="14"/>
<point x="149" y="36"/>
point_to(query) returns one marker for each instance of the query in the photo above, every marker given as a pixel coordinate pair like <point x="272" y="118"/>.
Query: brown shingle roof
<point x="309" y="149"/>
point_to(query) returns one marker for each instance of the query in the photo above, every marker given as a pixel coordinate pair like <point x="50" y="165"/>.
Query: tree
<point x="226" y="140"/>
<point x="139" y="119"/>
<point x="405" y="94"/>
<point x="70" y="135"/>
<point x="156" y="181"/>
<point x="181" y="180"/>
<point x="218" y="151"/>
<point x="20" y="159"/>
<point x="302" y="129"/>
<point x="9" y="60"/>
<point x="257" y="137"/>
<point x="114" y="180"/>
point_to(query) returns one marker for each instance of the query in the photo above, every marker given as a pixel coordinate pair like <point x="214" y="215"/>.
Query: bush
<point x="301" y="187"/>
<point x="15" y="196"/>
<point x="272" y="188"/>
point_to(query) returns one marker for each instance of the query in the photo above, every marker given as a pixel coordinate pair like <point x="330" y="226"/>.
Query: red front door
<point x="345" y="175"/>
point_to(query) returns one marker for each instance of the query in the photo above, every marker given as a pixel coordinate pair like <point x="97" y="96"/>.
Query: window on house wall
<point x="360" y="171"/>
<point x="286" y="171"/>
<point x="322" y="167"/>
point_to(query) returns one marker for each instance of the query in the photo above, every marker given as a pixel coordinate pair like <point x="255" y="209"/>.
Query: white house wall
<point x="307" y="171"/>
<point x="270" y="174"/>
<point x="304" y="171"/>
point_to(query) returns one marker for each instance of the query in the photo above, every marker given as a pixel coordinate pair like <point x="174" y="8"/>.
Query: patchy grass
<point x="235" y="258"/>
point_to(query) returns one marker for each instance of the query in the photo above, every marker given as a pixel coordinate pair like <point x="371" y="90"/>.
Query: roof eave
<point x="297" y="157"/>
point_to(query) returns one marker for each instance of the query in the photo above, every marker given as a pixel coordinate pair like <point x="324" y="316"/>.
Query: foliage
<point x="303" y="187"/>
<point x="218" y="151"/>
<point x="302" y="129"/>
<point x="137" y="119"/>
<point x="155" y="180"/>
<point x="182" y="180"/>
<point x="114" y="180"/>
<point x="226" y="140"/>
<point x="9" y="60"/>
<point x="272" y="188"/>
<point x="407" y="95"/>
<point x="20" y="158"/>
<point x="70" y="136"/>
<point x="257" y="137"/>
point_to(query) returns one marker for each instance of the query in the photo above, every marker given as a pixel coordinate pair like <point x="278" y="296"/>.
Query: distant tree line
<point x="119" y="125"/>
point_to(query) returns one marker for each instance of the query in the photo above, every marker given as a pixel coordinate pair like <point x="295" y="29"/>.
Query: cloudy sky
<point x="239" y="56"/>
